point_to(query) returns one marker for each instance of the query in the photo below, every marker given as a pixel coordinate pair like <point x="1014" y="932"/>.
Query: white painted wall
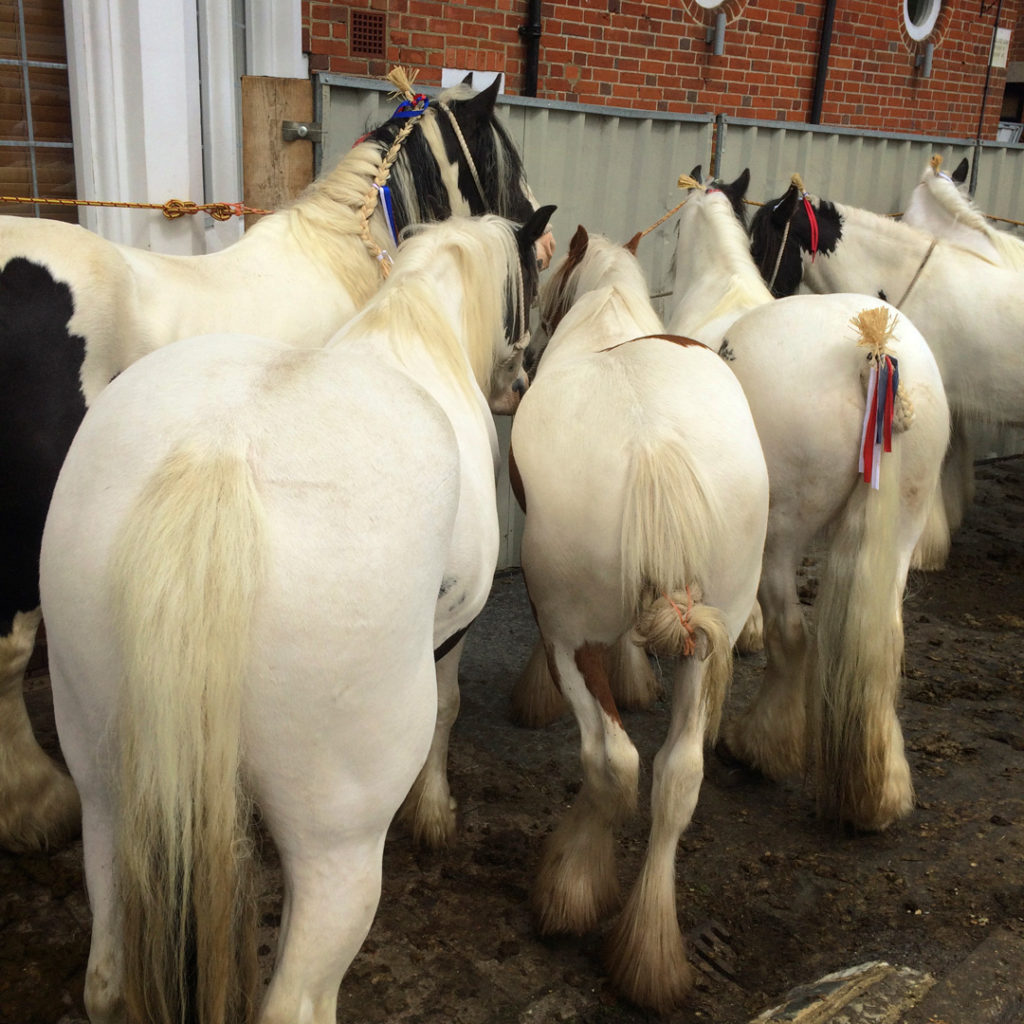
<point x="155" y="108"/>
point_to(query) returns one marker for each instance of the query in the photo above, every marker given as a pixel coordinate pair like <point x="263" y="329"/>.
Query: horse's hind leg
<point x="751" y="638"/>
<point x="104" y="982"/>
<point x="769" y="734"/>
<point x="646" y="953"/>
<point x="430" y="808"/>
<point x="576" y="883"/>
<point x="39" y="804"/>
<point x="331" y="896"/>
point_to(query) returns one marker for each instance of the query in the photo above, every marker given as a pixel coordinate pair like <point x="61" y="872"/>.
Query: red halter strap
<point x="813" y="221"/>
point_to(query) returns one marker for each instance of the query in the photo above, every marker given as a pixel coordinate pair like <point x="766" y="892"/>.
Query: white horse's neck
<point x="939" y="208"/>
<point x="612" y="304"/>
<point x="716" y="280"/>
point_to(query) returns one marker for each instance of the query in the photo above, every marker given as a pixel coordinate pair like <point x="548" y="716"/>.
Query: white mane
<point x="606" y="272"/>
<point x="730" y="280"/>
<point x="410" y="312"/>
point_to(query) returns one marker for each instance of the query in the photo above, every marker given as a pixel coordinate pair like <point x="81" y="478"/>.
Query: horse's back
<point x="805" y="376"/>
<point x="356" y="470"/>
<point x="608" y="411"/>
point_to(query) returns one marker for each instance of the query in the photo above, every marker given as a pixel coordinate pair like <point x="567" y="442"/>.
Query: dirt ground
<point x="791" y="899"/>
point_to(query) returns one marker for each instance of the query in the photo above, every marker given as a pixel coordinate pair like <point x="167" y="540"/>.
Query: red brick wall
<point x="655" y="56"/>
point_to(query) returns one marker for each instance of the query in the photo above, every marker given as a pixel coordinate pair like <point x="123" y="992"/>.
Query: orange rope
<point x="689" y="645"/>
<point x="172" y="209"/>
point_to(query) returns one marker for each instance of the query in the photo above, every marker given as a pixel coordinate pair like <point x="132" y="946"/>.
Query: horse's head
<point x="593" y="263"/>
<point x="736" y="192"/>
<point x="509" y="377"/>
<point x="457" y="160"/>
<point x="786" y="230"/>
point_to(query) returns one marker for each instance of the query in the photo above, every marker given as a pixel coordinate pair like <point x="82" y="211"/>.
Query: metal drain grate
<point x="368" y="29"/>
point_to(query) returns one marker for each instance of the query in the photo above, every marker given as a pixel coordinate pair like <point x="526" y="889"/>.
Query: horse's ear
<point x="739" y="187"/>
<point x="696" y="172"/>
<point x="631" y="245"/>
<point x="534" y="227"/>
<point x="482" y="104"/>
<point x="578" y="245"/>
<point x="468" y="80"/>
<point x="960" y="174"/>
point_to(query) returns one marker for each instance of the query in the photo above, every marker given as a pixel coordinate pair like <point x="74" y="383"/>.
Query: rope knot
<point x="175" y="208"/>
<point x="690" y="643"/>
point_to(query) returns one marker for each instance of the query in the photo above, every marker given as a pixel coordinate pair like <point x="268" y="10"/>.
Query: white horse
<point x="77" y="310"/>
<point x="251" y="555"/>
<point x="646" y="497"/>
<point x="941" y="208"/>
<point x="805" y="376"/>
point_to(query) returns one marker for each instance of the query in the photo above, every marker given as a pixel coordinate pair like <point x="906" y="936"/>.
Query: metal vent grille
<point x="368" y="31"/>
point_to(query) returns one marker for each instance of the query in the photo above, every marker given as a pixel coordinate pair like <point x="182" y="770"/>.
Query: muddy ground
<point x="453" y="943"/>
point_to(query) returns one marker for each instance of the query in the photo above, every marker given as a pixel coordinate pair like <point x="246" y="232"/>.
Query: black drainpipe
<point x="823" y="51"/>
<point x="530" y="32"/>
<point x="984" y="98"/>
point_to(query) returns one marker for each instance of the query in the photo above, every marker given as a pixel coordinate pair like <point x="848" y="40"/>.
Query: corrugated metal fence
<point x="615" y="171"/>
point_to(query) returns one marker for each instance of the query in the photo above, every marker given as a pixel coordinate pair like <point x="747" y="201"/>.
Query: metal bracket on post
<point x="291" y="131"/>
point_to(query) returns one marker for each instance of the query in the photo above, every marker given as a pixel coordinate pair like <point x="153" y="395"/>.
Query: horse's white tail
<point x="673" y="625"/>
<point x="668" y="526"/>
<point x="854" y="735"/>
<point x="184" y="578"/>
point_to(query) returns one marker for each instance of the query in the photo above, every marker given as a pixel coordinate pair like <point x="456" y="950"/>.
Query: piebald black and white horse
<point x="76" y="310"/>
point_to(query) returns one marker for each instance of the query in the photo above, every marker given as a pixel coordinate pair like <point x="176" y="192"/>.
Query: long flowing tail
<point x="856" y="744"/>
<point x="670" y="522"/>
<point x="184" y="577"/>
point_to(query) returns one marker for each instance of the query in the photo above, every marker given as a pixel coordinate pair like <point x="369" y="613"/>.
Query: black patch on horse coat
<point x="768" y="229"/>
<point x="41" y="406"/>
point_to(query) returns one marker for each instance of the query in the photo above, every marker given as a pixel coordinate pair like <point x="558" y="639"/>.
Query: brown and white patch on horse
<point x="592" y="661"/>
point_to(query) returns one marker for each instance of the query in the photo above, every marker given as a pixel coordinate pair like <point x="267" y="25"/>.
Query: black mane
<point x="418" y="191"/>
<point x="768" y="229"/>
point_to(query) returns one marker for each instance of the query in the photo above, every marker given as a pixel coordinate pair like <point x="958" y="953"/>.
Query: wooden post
<point x="274" y="171"/>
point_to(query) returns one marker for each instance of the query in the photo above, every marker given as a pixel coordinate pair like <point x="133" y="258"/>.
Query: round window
<point x="920" y="17"/>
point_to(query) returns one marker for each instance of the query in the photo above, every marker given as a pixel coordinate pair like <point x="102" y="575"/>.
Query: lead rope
<point x="465" y="152"/>
<point x="798" y="184"/>
<point x="913" y="280"/>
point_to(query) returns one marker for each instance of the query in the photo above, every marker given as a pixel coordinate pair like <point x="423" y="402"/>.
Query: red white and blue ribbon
<point x="883" y="383"/>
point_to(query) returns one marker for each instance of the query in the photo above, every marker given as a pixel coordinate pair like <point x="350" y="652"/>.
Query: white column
<point x="155" y="106"/>
<point x="274" y="39"/>
<point x="134" y="76"/>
